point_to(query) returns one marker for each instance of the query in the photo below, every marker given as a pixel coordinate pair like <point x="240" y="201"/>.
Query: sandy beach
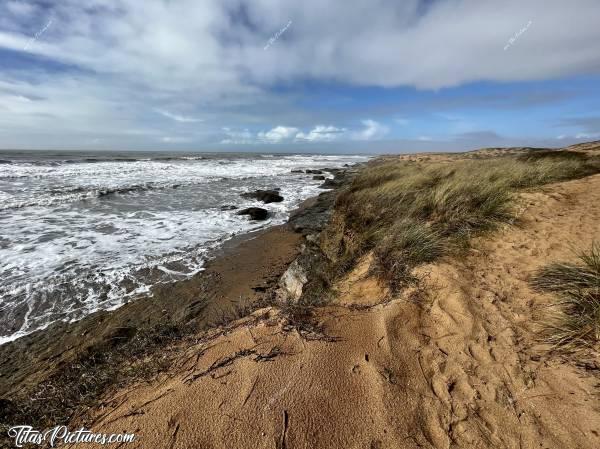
<point x="451" y="360"/>
<point x="239" y="277"/>
<point x="342" y="224"/>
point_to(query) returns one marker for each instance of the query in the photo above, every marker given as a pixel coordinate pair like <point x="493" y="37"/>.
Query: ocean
<point x="88" y="231"/>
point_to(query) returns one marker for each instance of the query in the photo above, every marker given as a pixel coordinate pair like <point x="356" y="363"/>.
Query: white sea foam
<point x="79" y="237"/>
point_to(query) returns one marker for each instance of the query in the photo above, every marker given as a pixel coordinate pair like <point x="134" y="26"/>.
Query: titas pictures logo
<point x="23" y="435"/>
<point x="513" y="39"/>
<point x="277" y="35"/>
<point x="37" y="35"/>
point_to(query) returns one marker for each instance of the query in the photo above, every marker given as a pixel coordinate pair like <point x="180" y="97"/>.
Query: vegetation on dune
<point x="408" y="244"/>
<point x="410" y="213"/>
<point x="574" y="321"/>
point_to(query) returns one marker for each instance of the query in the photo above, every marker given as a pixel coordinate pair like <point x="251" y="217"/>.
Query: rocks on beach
<point x="330" y="184"/>
<point x="255" y="213"/>
<point x="266" y="196"/>
<point x="292" y="282"/>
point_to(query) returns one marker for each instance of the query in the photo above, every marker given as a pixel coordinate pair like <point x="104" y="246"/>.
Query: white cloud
<point x="372" y="131"/>
<point x="322" y="133"/>
<point x="111" y="61"/>
<point x="244" y="137"/>
<point x="319" y="133"/>
<point x="169" y="139"/>
<point x="278" y="134"/>
<point x="183" y="44"/>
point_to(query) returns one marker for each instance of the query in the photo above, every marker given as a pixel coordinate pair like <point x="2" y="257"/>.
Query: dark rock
<point x="297" y="171"/>
<point x="330" y="184"/>
<point x="314" y="172"/>
<point x="319" y="178"/>
<point x="266" y="196"/>
<point x="255" y="213"/>
<point x="313" y="214"/>
<point x="228" y="207"/>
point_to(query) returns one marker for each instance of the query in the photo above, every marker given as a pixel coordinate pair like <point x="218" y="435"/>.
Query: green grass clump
<point x="408" y="245"/>
<point x="410" y="213"/>
<point x="574" y="321"/>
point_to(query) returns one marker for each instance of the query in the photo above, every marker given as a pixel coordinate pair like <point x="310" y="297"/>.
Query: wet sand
<point x="237" y="276"/>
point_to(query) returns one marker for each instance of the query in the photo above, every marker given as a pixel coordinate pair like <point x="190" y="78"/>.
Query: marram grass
<point x="573" y="321"/>
<point x="410" y="213"/>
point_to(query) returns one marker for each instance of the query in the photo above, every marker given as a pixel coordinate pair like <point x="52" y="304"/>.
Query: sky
<point x="345" y="76"/>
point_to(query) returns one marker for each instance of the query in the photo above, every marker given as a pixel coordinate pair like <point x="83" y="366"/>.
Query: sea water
<point x="81" y="232"/>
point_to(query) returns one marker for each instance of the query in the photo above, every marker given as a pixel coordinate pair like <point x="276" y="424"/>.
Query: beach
<point x="237" y="276"/>
<point x="307" y="334"/>
<point x="299" y="225"/>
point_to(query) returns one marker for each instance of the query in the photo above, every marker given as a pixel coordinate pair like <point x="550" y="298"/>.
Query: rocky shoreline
<point x="244" y="273"/>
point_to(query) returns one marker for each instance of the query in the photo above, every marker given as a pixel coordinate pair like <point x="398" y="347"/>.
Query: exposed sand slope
<point x="462" y="371"/>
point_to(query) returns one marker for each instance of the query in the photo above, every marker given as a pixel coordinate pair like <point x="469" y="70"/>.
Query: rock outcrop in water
<point x="266" y="196"/>
<point x="255" y="213"/>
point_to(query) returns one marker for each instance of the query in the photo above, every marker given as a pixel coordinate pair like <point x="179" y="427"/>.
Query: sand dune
<point x="453" y="366"/>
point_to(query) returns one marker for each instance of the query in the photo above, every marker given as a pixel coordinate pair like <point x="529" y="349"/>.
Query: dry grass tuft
<point x="410" y="213"/>
<point x="409" y="244"/>
<point x="574" y="322"/>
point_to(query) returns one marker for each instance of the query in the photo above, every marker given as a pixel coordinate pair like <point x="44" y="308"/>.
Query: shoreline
<point x="87" y="234"/>
<point x="239" y="275"/>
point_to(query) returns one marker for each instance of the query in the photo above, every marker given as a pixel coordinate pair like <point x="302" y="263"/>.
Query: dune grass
<point x="407" y="245"/>
<point x="410" y="213"/>
<point x="574" y="321"/>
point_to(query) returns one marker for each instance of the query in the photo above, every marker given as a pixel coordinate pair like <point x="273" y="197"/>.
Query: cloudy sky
<point x="299" y="76"/>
